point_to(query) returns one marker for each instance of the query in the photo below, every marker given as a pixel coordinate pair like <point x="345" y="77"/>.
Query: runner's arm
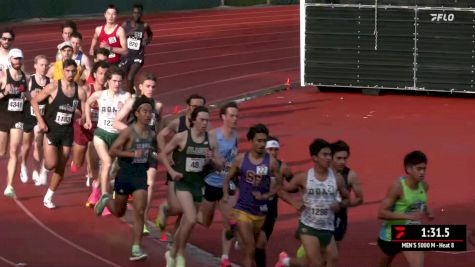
<point x="87" y="108"/>
<point x="82" y="97"/>
<point x="122" y="50"/>
<point x="287" y="175"/>
<point x="276" y="183"/>
<point x="355" y="186"/>
<point x="299" y="181"/>
<point x="42" y="95"/>
<point x="159" y="120"/>
<point x="123" y="114"/>
<point x="385" y="209"/>
<point x="117" y="148"/>
<point x="94" y="41"/>
<point x="149" y="32"/>
<point x="170" y="129"/>
<point x="216" y="160"/>
<point x="344" y="194"/>
<point x="232" y="174"/>
<point x="166" y="152"/>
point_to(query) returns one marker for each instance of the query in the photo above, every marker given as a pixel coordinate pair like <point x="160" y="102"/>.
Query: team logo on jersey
<point x="75" y="103"/>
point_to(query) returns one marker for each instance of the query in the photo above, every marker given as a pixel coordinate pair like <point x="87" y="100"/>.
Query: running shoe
<point x="23" y="174"/>
<point x="9" y="192"/>
<point x="43" y="176"/>
<point x="88" y="180"/>
<point x="106" y="212"/>
<point x="94" y="196"/>
<point x="161" y="220"/>
<point x="36" y="178"/>
<point x="180" y="261"/>
<point x="101" y="204"/>
<point x="145" y="230"/>
<point x="170" y="261"/>
<point x="74" y="167"/>
<point x="225" y="263"/>
<point x="137" y="254"/>
<point x="282" y="256"/>
<point x="49" y="203"/>
<point x="300" y="252"/>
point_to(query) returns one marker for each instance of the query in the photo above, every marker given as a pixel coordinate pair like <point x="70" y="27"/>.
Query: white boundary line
<point x="8" y="262"/>
<point x="60" y="237"/>
<point x="437" y="251"/>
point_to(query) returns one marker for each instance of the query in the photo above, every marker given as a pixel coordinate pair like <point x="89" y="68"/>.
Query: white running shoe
<point x="23" y="174"/>
<point x="88" y="180"/>
<point x="49" y="203"/>
<point x="9" y="192"/>
<point x="43" y="176"/>
<point x="36" y="178"/>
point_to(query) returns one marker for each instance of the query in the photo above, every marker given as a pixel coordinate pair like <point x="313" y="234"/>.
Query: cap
<point x="15" y="53"/>
<point x="62" y="45"/>
<point x="272" y="144"/>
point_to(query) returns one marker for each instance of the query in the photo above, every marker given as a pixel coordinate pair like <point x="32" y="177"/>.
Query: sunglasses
<point x="7" y="39"/>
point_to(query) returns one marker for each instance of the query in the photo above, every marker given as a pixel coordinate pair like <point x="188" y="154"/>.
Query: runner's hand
<point x="209" y="155"/>
<point x="43" y="127"/>
<point x="176" y="175"/>
<point x="8" y="89"/>
<point x="87" y="125"/>
<point x="138" y="153"/>
<point x="258" y="195"/>
<point x="415" y="216"/>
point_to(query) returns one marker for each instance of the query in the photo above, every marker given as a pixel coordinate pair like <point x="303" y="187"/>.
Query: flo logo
<point x="442" y="17"/>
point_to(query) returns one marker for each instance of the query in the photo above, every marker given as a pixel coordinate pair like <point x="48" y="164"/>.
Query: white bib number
<point x="194" y="164"/>
<point x="261" y="170"/>
<point x="133" y="44"/>
<point x="320" y="212"/>
<point x="63" y="118"/>
<point x="94" y="115"/>
<point x="111" y="55"/>
<point x="42" y="110"/>
<point x="112" y="40"/>
<point x="15" y="104"/>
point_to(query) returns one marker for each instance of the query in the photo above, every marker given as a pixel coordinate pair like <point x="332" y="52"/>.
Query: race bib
<point x="142" y="159"/>
<point x="111" y="55"/>
<point x="194" y="164"/>
<point x="15" y="104"/>
<point x="133" y="44"/>
<point x="112" y="40"/>
<point x="63" y="118"/>
<point x="42" y="110"/>
<point x="320" y="212"/>
<point x="106" y="124"/>
<point x="261" y="170"/>
<point x="94" y="115"/>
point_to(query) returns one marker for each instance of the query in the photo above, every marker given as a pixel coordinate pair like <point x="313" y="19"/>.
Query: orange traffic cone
<point x="176" y="110"/>
<point x="288" y="84"/>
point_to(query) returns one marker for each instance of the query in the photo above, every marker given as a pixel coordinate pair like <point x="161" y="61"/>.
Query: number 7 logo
<point x="400" y="230"/>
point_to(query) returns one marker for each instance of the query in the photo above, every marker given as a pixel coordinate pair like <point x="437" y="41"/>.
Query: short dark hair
<point x="255" y="129"/>
<point x="224" y="109"/>
<point x="100" y="64"/>
<point x="195" y="112"/>
<point x="112" y="6"/>
<point x="195" y="96"/>
<point x="102" y="51"/>
<point x="414" y="158"/>
<point x="273" y="138"/>
<point x="114" y="70"/>
<point x="317" y="145"/>
<point x="138" y="5"/>
<point x="147" y="76"/>
<point x="140" y="101"/>
<point x="338" y="146"/>
<point x="76" y="35"/>
<point x="69" y="24"/>
<point x="10" y="31"/>
<point x="69" y="62"/>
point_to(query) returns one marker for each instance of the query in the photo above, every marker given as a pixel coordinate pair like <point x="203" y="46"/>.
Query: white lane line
<point x="60" y="237"/>
<point x="8" y="262"/>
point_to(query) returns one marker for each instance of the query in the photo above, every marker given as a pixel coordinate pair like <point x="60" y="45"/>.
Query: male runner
<point x="192" y="151"/>
<point x="13" y="85"/>
<point x="6" y="42"/>
<point x="100" y="54"/>
<point x="226" y="138"/>
<point x="110" y="36"/>
<point x="324" y="194"/>
<point x="147" y="86"/>
<point x="133" y="148"/>
<point x="82" y="147"/>
<point x="55" y="72"/>
<point x="171" y="205"/>
<point x="67" y="28"/>
<point x="254" y="169"/>
<point x="81" y="59"/>
<point x="405" y="203"/>
<point x="135" y="30"/>
<point x="64" y="97"/>
<point x="38" y="81"/>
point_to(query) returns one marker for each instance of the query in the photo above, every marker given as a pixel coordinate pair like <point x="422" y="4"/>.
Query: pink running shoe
<point x="225" y="263"/>
<point x="106" y="212"/>
<point x="74" y="168"/>
<point x="94" y="197"/>
<point x="282" y="256"/>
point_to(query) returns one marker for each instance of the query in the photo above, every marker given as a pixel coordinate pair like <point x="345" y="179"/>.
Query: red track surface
<point x="221" y="53"/>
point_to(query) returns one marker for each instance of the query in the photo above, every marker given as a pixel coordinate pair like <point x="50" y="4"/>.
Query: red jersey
<point x="111" y="40"/>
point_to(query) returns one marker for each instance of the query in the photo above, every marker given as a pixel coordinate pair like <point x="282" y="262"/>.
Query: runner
<point x="405" y="203"/>
<point x="192" y="150"/>
<point x="67" y="28"/>
<point x="6" y="42"/>
<point x="55" y="72"/>
<point x="133" y="148"/>
<point x="110" y="36"/>
<point x="64" y="97"/>
<point x="82" y="146"/>
<point x="110" y="102"/>
<point x="38" y="81"/>
<point x="100" y="54"/>
<point x="254" y="169"/>
<point x="147" y="86"/>
<point x="226" y="138"/>
<point x="272" y="148"/>
<point x="13" y="85"/>
<point x="324" y="194"/>
<point x="81" y="59"/>
<point x="171" y="206"/>
<point x="135" y="30"/>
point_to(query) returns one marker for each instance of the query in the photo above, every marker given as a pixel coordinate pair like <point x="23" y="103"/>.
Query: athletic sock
<point x="260" y="257"/>
<point x="49" y="194"/>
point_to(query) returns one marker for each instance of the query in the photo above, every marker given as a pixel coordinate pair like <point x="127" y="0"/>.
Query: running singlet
<point x="253" y="178"/>
<point x="135" y="39"/>
<point x="343" y="212"/>
<point x="111" y="40"/>
<point x="28" y="109"/>
<point x="411" y="201"/>
<point x="78" y="58"/>
<point x="228" y="149"/>
<point x="317" y="199"/>
<point x="191" y="160"/>
<point x="108" y="109"/>
<point x="5" y="63"/>
<point x="138" y="142"/>
<point x="60" y="113"/>
<point x="14" y="100"/>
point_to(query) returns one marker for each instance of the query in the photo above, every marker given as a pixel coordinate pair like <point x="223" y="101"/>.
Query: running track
<point x="208" y="51"/>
